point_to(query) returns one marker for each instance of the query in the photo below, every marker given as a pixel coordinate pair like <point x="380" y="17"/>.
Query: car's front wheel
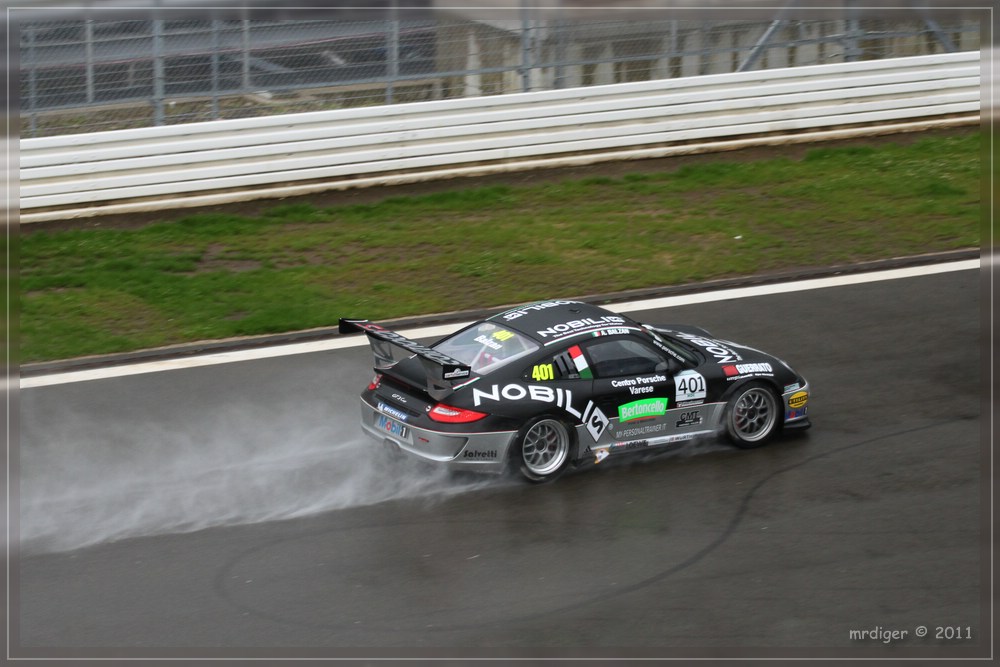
<point x="752" y="415"/>
<point x="543" y="449"/>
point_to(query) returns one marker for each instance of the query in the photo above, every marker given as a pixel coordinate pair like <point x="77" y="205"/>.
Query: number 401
<point x="542" y="372"/>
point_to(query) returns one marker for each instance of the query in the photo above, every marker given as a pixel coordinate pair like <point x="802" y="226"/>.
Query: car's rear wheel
<point x="543" y="450"/>
<point x="752" y="415"/>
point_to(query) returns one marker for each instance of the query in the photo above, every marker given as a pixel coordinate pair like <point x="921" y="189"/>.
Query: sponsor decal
<point x="392" y="412"/>
<point x="580" y="361"/>
<point x="390" y="426"/>
<point x="791" y="387"/>
<point x="652" y="379"/>
<point x="579" y="326"/>
<point x="633" y="444"/>
<point x="688" y="404"/>
<point x="492" y="344"/>
<point x="629" y="445"/>
<point x="491" y="455"/>
<point x="591" y="416"/>
<point x="722" y="354"/>
<point x="662" y="346"/>
<point x="631" y="384"/>
<point x="665" y="440"/>
<point x="747" y="369"/>
<point x="401" y="399"/>
<point x="692" y="418"/>
<point x="642" y="409"/>
<point x="791" y="415"/>
<point x="690" y="387"/>
<point x="503" y="334"/>
<point x="454" y="373"/>
<point x="515" y="313"/>
<point x="613" y="331"/>
<point x="596" y="422"/>
<point x="799" y="399"/>
<point x="640" y="430"/>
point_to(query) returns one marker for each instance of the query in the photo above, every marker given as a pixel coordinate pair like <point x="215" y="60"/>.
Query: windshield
<point x="486" y="347"/>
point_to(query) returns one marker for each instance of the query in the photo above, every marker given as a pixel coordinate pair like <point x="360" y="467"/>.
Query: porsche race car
<point x="553" y="384"/>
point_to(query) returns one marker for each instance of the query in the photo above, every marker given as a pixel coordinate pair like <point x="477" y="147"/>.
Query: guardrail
<point x="217" y="162"/>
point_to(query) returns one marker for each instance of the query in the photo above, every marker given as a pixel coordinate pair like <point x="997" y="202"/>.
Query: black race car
<point x="551" y="384"/>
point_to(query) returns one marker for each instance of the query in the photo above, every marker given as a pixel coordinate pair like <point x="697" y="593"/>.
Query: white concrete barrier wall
<point x="231" y="160"/>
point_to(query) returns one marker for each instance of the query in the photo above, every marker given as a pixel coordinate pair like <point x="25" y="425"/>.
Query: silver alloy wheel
<point x="754" y="415"/>
<point x="545" y="447"/>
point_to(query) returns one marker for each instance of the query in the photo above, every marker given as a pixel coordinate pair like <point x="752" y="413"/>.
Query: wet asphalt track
<point x="870" y="519"/>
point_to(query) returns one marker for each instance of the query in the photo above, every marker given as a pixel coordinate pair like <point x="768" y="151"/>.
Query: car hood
<point x="723" y="351"/>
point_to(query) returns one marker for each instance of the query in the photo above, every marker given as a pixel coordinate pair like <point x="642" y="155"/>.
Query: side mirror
<point x="668" y="366"/>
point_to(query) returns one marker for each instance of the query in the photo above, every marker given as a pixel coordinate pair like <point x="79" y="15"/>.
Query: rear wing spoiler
<point x="441" y="372"/>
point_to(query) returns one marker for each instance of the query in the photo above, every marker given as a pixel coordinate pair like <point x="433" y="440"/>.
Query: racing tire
<point x="542" y="449"/>
<point x="752" y="415"/>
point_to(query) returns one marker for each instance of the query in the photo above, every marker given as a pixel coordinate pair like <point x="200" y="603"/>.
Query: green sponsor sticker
<point x="647" y="407"/>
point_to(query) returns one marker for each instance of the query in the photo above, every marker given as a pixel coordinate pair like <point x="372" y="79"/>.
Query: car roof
<point x="547" y="321"/>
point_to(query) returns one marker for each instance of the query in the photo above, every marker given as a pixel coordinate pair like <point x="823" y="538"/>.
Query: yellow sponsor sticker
<point x="798" y="399"/>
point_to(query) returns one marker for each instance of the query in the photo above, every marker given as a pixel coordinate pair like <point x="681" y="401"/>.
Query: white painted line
<point x="442" y="330"/>
<point x="797" y="286"/>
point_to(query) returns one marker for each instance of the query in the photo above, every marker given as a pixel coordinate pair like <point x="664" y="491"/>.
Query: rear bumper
<point x="484" y="452"/>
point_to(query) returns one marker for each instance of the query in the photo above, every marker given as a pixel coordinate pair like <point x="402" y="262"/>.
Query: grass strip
<point x="297" y="266"/>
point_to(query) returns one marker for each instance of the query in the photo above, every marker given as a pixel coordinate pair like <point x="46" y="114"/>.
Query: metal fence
<point x="91" y="75"/>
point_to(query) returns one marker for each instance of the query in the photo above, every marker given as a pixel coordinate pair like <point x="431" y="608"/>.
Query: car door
<point x="634" y="386"/>
<point x="564" y="379"/>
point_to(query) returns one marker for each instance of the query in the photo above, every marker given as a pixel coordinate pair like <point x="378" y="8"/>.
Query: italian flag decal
<point x="580" y="362"/>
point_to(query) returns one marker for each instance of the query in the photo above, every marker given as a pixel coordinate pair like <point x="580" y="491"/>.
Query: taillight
<point x="376" y="381"/>
<point x="452" y="415"/>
